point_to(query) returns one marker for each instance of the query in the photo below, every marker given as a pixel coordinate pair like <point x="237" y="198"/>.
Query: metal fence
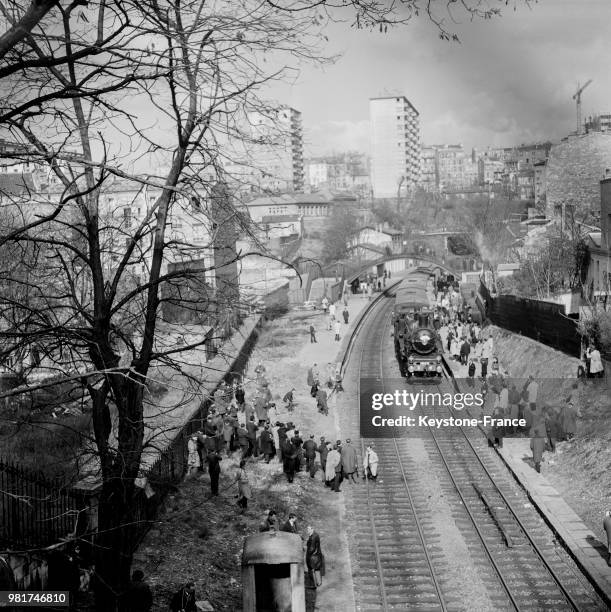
<point x="34" y="511"/>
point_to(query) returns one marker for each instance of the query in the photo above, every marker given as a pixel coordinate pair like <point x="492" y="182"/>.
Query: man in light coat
<point x="334" y="460"/>
<point x="370" y="461"/>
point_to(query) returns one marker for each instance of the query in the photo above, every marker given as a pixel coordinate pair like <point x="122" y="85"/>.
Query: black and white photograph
<point x="305" y="305"/>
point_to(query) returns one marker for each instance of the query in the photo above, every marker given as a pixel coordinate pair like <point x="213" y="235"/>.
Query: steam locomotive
<point x="417" y="343"/>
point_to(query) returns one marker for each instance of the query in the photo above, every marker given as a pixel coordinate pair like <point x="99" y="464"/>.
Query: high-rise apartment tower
<point x="395" y="145"/>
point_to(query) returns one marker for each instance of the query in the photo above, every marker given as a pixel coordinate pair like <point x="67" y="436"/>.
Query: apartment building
<point x="277" y="150"/>
<point x="395" y="145"/>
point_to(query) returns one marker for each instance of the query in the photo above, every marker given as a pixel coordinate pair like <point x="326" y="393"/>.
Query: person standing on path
<point x="240" y="397"/>
<point x="193" y="461"/>
<point x="537" y="445"/>
<point x="214" y="469"/>
<point x="333" y="462"/>
<point x="554" y="431"/>
<point x="350" y="461"/>
<point x="532" y="391"/>
<point x="321" y="401"/>
<point x="607" y="528"/>
<point x="244" y="490"/>
<point x="465" y="349"/>
<point x="337" y="328"/>
<point x="346" y="315"/>
<point x="266" y="442"/>
<point x="597" y="369"/>
<point x="370" y="463"/>
<point x="184" y="599"/>
<point x="314" y="558"/>
<point x="471" y="372"/>
<point x="289" y="400"/>
<point x="289" y="458"/>
<point x="251" y="428"/>
<point x="312" y="335"/>
<point x="323" y="451"/>
<point x="138" y="597"/>
<point x="310" y="449"/>
<point x="568" y="421"/>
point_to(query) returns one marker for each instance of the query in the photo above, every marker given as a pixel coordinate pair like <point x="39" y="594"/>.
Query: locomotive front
<point x="423" y="357"/>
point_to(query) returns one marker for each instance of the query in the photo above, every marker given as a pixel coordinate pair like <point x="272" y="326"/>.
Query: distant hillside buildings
<point x="342" y="172"/>
<point x="510" y="171"/>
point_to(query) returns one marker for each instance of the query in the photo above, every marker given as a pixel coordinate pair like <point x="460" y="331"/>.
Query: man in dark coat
<point x="201" y="446"/>
<point x="554" y="431"/>
<point x="289" y="399"/>
<point x="310" y="449"/>
<point x="240" y="397"/>
<point x="184" y="599"/>
<point x="251" y="428"/>
<point x="298" y="443"/>
<point x="266" y="443"/>
<point x="214" y="469"/>
<point x="209" y="428"/>
<point x="291" y="524"/>
<point x="270" y="523"/>
<point x="350" y="461"/>
<point x="323" y="450"/>
<point x="321" y="401"/>
<point x="281" y="438"/>
<point x="209" y="444"/>
<point x="289" y="457"/>
<point x="242" y="435"/>
<point x="537" y="445"/>
<point x="346" y="315"/>
<point x="314" y="558"/>
<point x="465" y="349"/>
<point x="138" y="597"/>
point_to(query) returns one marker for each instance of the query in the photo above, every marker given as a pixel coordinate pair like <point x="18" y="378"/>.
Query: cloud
<point x="335" y="136"/>
<point x="510" y="80"/>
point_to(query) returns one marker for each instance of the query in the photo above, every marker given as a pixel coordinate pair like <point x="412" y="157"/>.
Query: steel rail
<point x="534" y="545"/>
<point x="417" y="522"/>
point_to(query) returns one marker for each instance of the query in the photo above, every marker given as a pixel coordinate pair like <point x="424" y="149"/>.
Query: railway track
<point x="406" y="554"/>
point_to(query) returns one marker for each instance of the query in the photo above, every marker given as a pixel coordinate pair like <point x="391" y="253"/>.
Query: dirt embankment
<point x="581" y="469"/>
<point x="200" y="538"/>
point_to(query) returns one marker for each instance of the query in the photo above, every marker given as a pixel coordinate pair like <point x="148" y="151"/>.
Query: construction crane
<point x="577" y="98"/>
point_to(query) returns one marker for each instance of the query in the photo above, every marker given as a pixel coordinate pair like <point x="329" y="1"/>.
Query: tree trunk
<point x="114" y="543"/>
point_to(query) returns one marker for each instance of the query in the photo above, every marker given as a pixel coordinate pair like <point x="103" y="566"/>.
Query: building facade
<point x="278" y="150"/>
<point x="574" y="170"/>
<point x="599" y="243"/>
<point x="395" y="145"/>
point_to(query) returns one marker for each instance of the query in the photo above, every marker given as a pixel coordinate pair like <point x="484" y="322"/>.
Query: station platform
<point x="583" y="545"/>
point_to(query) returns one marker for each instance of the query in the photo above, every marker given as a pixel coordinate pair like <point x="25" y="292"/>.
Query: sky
<point x="510" y="80"/>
